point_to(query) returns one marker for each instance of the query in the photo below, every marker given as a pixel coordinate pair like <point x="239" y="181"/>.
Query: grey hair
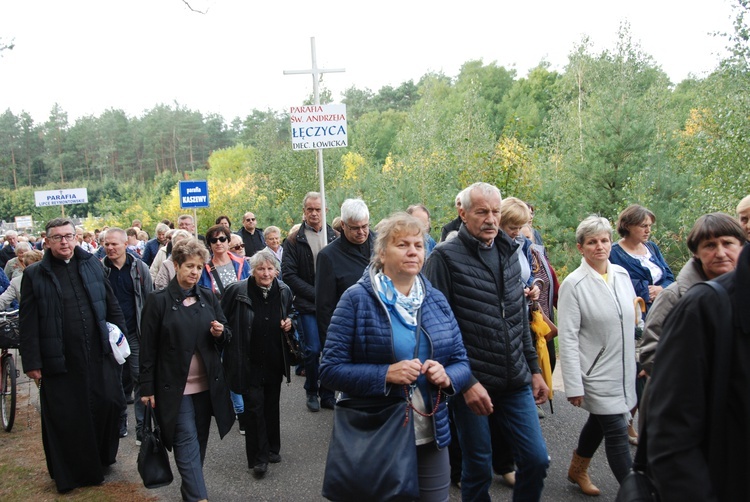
<point x="162" y="227"/>
<point x="265" y="256"/>
<point x="354" y="210"/>
<point x="310" y="195"/>
<point x="117" y="230"/>
<point x="744" y="204"/>
<point x="272" y="230"/>
<point x="179" y="234"/>
<point x="11" y="233"/>
<point x="24" y="246"/>
<point x="484" y="188"/>
<point x="592" y="225"/>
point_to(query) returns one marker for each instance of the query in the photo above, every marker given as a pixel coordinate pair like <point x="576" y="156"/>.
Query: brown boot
<point x="577" y="474"/>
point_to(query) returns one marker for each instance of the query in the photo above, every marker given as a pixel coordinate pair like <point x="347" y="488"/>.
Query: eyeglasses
<point x="59" y="238"/>
<point x="238" y="247"/>
<point x="214" y="240"/>
<point x="361" y="228"/>
<point x="249" y="219"/>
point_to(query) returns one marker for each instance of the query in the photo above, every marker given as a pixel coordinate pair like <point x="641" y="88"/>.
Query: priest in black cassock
<point x="65" y="306"/>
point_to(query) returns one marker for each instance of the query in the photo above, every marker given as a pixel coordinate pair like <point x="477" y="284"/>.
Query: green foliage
<point x="608" y="131"/>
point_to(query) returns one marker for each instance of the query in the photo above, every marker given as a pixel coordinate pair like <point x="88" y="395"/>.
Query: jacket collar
<point x="175" y="291"/>
<point x="301" y="237"/>
<point x="502" y="241"/>
<point x="350" y="247"/>
<point x="129" y="258"/>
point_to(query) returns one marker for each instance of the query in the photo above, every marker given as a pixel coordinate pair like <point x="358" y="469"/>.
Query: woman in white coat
<point x="596" y="322"/>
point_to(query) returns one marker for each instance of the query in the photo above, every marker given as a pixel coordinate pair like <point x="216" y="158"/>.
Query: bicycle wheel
<point x="8" y="403"/>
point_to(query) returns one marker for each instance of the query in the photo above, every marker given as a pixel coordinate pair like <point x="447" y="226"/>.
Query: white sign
<point x="46" y="198"/>
<point x="318" y="126"/>
<point x="24" y="222"/>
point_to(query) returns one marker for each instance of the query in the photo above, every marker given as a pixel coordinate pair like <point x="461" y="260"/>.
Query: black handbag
<point x="372" y="455"/>
<point x="292" y="344"/>
<point x="637" y="486"/>
<point x="153" y="461"/>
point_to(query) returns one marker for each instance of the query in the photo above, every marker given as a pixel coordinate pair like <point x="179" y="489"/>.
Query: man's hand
<point x="539" y="388"/>
<point x="34" y="374"/>
<point x="149" y="401"/>
<point x="478" y="400"/>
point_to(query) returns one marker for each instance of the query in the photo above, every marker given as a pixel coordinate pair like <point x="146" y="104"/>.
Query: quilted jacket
<point x="359" y="347"/>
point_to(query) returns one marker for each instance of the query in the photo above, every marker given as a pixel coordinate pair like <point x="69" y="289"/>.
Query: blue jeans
<point x="308" y="328"/>
<point x="190" y="441"/>
<point x="614" y="430"/>
<point x="516" y="416"/>
<point x="237" y="402"/>
<point x="134" y="367"/>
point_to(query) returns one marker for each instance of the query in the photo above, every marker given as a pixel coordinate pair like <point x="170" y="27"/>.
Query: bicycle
<point x="10" y="338"/>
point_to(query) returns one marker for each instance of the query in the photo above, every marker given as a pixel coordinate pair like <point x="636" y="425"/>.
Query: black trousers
<point x="261" y="420"/>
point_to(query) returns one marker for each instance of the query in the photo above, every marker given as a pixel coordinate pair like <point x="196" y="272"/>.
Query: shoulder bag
<point x="372" y="455"/>
<point x="153" y="461"/>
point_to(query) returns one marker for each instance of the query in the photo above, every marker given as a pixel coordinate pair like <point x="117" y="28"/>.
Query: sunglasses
<point x="238" y="247"/>
<point x="214" y="240"/>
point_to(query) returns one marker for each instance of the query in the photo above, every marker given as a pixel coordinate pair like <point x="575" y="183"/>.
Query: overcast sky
<point x="91" y="55"/>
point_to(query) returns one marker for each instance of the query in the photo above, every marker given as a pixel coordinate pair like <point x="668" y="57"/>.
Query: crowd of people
<point x="212" y="321"/>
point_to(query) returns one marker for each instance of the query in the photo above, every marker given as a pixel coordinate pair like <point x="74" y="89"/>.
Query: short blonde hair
<point x="514" y="211"/>
<point x="388" y="229"/>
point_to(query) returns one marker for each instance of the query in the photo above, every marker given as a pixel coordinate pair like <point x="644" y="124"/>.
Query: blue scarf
<point x="405" y="307"/>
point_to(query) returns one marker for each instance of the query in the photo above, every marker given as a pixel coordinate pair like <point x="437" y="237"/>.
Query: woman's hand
<point x="653" y="292"/>
<point x="576" y="401"/>
<point x="217" y="329"/>
<point x="149" y="400"/>
<point x="403" y="372"/>
<point x="533" y="293"/>
<point x="286" y="325"/>
<point x="435" y="373"/>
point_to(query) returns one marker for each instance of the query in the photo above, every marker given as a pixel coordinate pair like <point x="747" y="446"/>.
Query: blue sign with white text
<point x="193" y="193"/>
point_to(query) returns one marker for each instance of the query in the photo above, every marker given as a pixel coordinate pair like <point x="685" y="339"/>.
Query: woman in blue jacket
<point x="647" y="268"/>
<point x="369" y="351"/>
<point x="645" y="264"/>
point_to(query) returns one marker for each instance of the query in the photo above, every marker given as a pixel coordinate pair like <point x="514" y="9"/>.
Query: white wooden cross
<point x="316" y="73"/>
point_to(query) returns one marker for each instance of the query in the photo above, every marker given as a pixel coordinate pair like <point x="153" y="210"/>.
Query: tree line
<point x="608" y="130"/>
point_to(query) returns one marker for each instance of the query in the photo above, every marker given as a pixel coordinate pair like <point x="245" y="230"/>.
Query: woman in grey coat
<point x="596" y="323"/>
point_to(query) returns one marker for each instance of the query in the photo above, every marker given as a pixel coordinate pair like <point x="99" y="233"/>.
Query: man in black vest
<point x="480" y="275"/>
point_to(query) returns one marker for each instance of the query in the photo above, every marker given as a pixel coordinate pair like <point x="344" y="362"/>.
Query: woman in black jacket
<point x="256" y="359"/>
<point x="182" y="334"/>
